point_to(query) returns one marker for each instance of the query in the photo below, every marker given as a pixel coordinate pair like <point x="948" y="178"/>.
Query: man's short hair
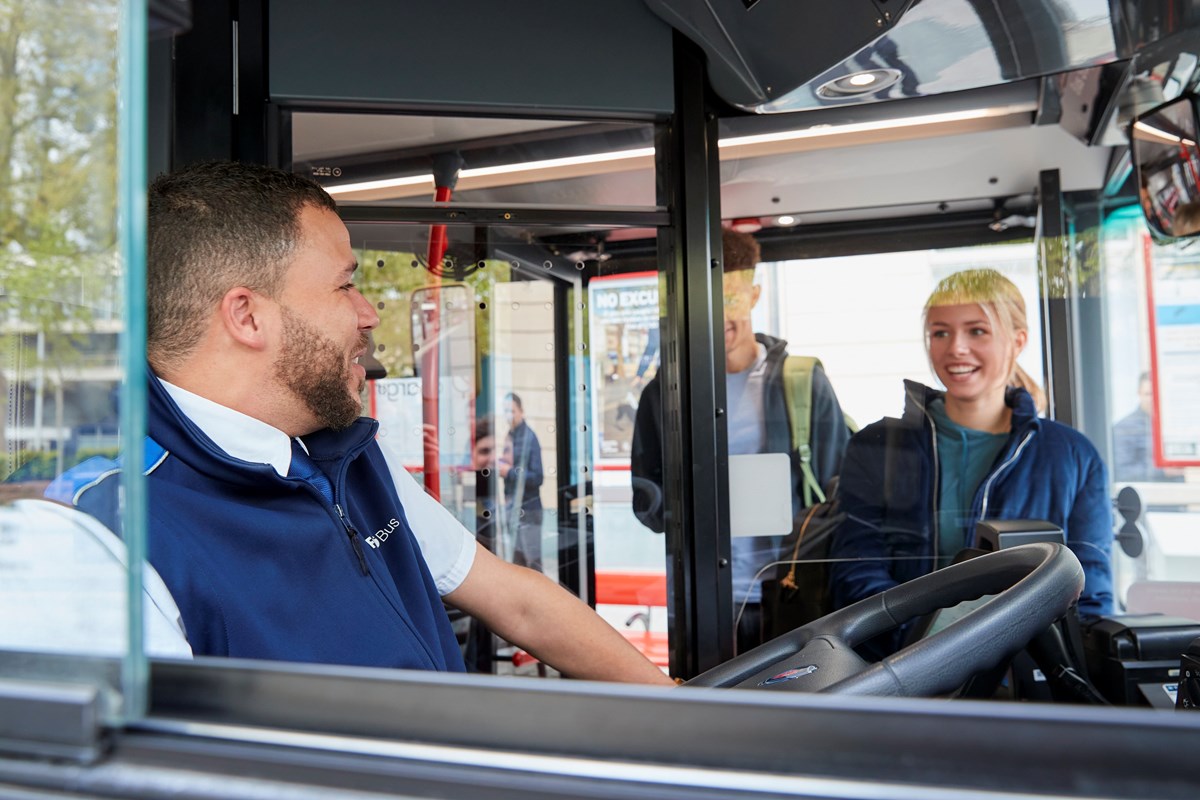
<point x="213" y="227"/>
<point x="515" y="399"/>
<point x="740" y="250"/>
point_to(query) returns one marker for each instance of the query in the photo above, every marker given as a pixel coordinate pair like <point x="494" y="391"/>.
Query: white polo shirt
<point x="448" y="547"/>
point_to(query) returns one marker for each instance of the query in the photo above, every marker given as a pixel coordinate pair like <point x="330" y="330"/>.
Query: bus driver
<point x="281" y="529"/>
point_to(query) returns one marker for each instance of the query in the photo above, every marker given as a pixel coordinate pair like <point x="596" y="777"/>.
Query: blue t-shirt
<point x="965" y="456"/>
<point x="748" y="435"/>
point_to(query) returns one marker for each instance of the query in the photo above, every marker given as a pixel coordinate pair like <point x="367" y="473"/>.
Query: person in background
<point x="758" y="423"/>
<point x="483" y="451"/>
<point x="913" y="488"/>
<point x="483" y="462"/>
<point x="280" y="527"/>
<point x="1186" y="221"/>
<point x="520" y="466"/>
<point x="1133" y="442"/>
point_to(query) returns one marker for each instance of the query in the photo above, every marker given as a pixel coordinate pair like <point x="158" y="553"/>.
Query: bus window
<point x="919" y="171"/>
<point x="68" y="266"/>
<point x="861" y="316"/>
<point x="1154" y="447"/>
<point x="871" y="339"/>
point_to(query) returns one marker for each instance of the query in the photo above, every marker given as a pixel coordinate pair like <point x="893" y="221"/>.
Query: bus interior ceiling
<point x="944" y="132"/>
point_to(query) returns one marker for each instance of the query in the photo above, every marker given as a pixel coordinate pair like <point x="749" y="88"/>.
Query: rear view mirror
<point x="1168" y="167"/>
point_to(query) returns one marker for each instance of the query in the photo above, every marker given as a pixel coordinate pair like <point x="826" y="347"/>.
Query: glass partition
<point x="1151" y="344"/>
<point x="868" y="329"/>
<point x="837" y="365"/>
<point x="511" y="363"/>
<point x="71" y="150"/>
<point x="906" y="491"/>
<point x="511" y="381"/>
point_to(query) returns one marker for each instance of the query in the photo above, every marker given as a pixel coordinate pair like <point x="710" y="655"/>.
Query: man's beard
<point x="315" y="369"/>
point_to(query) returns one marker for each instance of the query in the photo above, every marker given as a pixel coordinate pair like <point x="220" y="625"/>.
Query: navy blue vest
<point x="263" y="566"/>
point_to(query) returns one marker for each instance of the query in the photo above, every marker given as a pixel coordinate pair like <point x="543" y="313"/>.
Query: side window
<point x="862" y="317"/>
<point x="64" y="345"/>
<point x="1151" y="344"/>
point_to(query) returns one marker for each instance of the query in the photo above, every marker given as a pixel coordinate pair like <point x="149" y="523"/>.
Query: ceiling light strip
<point x="642" y="157"/>
<point x="925" y="120"/>
<point x="385" y="183"/>
<point x="559" y="163"/>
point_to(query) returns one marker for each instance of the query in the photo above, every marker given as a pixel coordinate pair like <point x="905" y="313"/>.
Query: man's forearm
<point x="565" y="633"/>
<point x="526" y="608"/>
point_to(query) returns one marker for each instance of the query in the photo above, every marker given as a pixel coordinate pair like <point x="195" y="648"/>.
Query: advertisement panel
<point x="624" y="335"/>
<point x="1173" y="294"/>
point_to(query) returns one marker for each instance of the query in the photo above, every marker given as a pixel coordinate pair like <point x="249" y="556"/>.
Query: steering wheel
<point x="1034" y="586"/>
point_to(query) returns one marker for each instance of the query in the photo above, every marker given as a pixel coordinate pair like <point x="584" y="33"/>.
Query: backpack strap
<point x="789" y="581"/>
<point x="797" y="389"/>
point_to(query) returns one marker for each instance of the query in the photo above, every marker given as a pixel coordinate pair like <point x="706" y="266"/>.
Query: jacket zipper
<point x="933" y="499"/>
<point x="937" y="468"/>
<point x="354" y="540"/>
<point x="987" y="486"/>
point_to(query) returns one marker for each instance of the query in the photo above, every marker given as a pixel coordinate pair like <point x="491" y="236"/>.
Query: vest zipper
<point x="354" y="542"/>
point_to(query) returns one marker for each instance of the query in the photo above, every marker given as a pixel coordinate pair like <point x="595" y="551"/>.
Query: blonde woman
<point x="913" y="488"/>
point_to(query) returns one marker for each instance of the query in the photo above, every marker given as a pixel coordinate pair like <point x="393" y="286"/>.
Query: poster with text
<point x="1173" y="291"/>
<point x="396" y="404"/>
<point x="624" y="335"/>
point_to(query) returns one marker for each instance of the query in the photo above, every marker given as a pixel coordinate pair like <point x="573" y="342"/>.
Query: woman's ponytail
<point x="1022" y="380"/>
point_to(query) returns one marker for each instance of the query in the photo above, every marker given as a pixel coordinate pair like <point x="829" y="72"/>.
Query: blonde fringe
<point x="1002" y="302"/>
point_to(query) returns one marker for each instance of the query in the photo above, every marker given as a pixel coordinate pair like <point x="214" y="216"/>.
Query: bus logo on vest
<point x="382" y="535"/>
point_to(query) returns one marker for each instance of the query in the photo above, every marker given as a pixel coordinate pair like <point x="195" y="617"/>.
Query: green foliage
<point x="84" y="453"/>
<point x="58" y="162"/>
<point x="32" y="465"/>
<point x="58" y="186"/>
<point x="42" y="465"/>
<point x="1088" y="245"/>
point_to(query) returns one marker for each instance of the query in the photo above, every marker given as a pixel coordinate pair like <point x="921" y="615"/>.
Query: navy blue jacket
<point x="526" y="468"/>
<point x="889" y="491"/>
<point x="262" y="566"/>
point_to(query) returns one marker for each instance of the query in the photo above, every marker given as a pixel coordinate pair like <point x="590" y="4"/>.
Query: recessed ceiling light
<point x="858" y="83"/>
<point x="786" y="219"/>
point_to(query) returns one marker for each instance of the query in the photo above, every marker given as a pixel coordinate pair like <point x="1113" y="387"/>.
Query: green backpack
<point x="799" y="592"/>
<point x="797" y="388"/>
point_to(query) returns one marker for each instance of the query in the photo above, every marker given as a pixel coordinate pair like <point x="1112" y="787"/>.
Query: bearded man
<point x="279" y="526"/>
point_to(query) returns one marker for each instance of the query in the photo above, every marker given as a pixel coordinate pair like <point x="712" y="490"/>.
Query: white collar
<point x="239" y="435"/>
